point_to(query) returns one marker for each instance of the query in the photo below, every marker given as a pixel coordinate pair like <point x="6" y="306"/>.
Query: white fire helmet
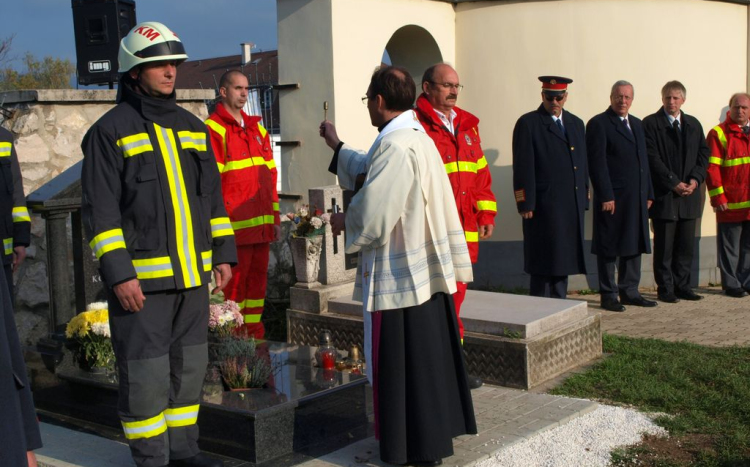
<point x="149" y="42"/>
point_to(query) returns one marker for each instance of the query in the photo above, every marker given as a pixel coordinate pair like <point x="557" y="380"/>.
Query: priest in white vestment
<point x="404" y="224"/>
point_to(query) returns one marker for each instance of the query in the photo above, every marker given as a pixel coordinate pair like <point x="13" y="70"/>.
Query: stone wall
<point x="48" y="126"/>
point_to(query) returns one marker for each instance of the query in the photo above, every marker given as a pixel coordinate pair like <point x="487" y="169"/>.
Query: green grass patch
<point x="704" y="391"/>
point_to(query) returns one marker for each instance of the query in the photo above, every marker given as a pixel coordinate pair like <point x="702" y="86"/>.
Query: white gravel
<point x="584" y="441"/>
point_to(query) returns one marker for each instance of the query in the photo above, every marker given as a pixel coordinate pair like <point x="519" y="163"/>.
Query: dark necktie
<point x="625" y="122"/>
<point x="560" y="126"/>
<point x="676" y="126"/>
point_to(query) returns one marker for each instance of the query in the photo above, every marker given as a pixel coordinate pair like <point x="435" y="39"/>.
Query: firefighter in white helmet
<point x="155" y="219"/>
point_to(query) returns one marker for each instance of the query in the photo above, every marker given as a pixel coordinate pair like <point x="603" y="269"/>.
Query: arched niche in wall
<point x="413" y="48"/>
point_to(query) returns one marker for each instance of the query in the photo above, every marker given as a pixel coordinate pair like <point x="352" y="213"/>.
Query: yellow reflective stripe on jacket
<point x="107" y="241"/>
<point x="263" y="131"/>
<point x="145" y="428"/>
<point x="182" y="416"/>
<point x="220" y="226"/>
<point x="714" y="160"/>
<point x="5" y="148"/>
<point x="8" y="246"/>
<point x="735" y="162"/>
<point x="207" y="256"/>
<point x="722" y="137"/>
<point x="740" y="205"/>
<point x="182" y="213"/>
<point x="275" y="206"/>
<point x="250" y="303"/>
<point x="481" y="163"/>
<point x="461" y="166"/>
<point x="254" y="222"/>
<point x="222" y="132"/>
<point x="716" y="191"/>
<point x="21" y="214"/>
<point x="192" y="140"/>
<point x="135" y="144"/>
<point x="245" y="163"/>
<point x="253" y="318"/>
<point x="487" y="206"/>
<point x="153" y="268"/>
<point x="472" y="236"/>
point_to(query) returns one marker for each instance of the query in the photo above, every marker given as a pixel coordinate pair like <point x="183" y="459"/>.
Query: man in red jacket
<point x="248" y="181"/>
<point x="728" y="184"/>
<point x="456" y="135"/>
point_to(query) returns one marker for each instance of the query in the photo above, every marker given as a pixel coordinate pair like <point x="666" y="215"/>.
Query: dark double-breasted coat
<point x="550" y="178"/>
<point x="19" y="429"/>
<point x="670" y="165"/>
<point x="619" y="170"/>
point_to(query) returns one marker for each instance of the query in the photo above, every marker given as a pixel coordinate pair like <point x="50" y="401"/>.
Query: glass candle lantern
<point x="326" y="354"/>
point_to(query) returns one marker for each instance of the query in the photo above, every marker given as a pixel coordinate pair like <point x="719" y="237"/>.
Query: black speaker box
<point x="98" y="26"/>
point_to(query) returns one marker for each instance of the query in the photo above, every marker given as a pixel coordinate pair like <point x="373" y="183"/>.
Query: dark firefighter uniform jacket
<point x="152" y="205"/>
<point x="15" y="226"/>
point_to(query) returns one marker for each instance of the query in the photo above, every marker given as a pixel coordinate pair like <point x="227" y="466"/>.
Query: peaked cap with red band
<point x="554" y="84"/>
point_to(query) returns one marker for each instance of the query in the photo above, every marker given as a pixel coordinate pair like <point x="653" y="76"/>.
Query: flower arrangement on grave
<point x="241" y="366"/>
<point x="308" y="223"/>
<point x="223" y="318"/>
<point x="89" y="337"/>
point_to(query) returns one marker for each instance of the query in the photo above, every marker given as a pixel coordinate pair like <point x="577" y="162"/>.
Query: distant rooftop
<point x="263" y="69"/>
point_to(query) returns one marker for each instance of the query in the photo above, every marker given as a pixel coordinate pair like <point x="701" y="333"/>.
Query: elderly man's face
<point x="554" y="103"/>
<point x="740" y="110"/>
<point x="672" y="102"/>
<point x="621" y="100"/>
<point x="442" y="92"/>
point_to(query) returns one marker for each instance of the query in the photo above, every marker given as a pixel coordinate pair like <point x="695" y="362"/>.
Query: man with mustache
<point x="618" y="165"/>
<point x="242" y="148"/>
<point x="550" y="183"/>
<point x="456" y="135"/>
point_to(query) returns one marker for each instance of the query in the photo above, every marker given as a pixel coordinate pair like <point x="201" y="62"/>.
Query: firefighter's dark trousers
<point x="161" y="360"/>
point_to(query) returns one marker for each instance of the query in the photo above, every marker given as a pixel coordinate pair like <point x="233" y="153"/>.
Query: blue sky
<point x="208" y="28"/>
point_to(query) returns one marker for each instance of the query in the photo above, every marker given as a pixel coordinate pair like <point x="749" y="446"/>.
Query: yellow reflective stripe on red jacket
<point x="182" y="212"/>
<point x="254" y="222"/>
<point x="263" y="131"/>
<point x="135" y="144"/>
<point x="192" y="140"/>
<point x="148" y="428"/>
<point x="21" y="214"/>
<point x="722" y="137"/>
<point x="106" y="242"/>
<point x="275" y="206"/>
<point x="153" y="268"/>
<point x="245" y="163"/>
<point x="207" y="257"/>
<point x="5" y="149"/>
<point x="714" y="160"/>
<point x="220" y="226"/>
<point x="716" y="191"/>
<point x="8" y="246"/>
<point x="740" y="205"/>
<point x="735" y="162"/>
<point x="182" y="416"/>
<point x="487" y="206"/>
<point x="481" y="163"/>
<point x="461" y="166"/>
<point x="472" y="236"/>
<point x="221" y="131"/>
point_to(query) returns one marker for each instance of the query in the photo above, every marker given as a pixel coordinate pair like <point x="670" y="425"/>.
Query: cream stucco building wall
<point x="499" y="48"/>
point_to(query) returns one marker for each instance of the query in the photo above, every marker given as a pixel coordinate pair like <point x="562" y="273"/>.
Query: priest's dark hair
<point x="395" y="85"/>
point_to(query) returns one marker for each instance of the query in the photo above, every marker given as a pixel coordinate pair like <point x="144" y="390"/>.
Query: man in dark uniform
<point x="550" y="182"/>
<point x="618" y="164"/>
<point x="15" y="230"/>
<point x="153" y="210"/>
<point x="678" y="157"/>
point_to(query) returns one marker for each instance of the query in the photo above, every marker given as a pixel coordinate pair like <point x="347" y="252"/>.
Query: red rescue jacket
<point x="466" y="167"/>
<point x="728" y="179"/>
<point x="248" y="175"/>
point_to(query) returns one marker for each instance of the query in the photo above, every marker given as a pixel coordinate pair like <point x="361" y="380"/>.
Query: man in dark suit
<point x="618" y="164"/>
<point x="678" y="157"/>
<point x="550" y="181"/>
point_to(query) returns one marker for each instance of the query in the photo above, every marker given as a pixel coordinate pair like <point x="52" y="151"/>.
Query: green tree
<point x="48" y="73"/>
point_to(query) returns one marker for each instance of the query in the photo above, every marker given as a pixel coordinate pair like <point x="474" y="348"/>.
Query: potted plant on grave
<point x="306" y="242"/>
<point x="89" y="337"/>
<point x="241" y="365"/>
